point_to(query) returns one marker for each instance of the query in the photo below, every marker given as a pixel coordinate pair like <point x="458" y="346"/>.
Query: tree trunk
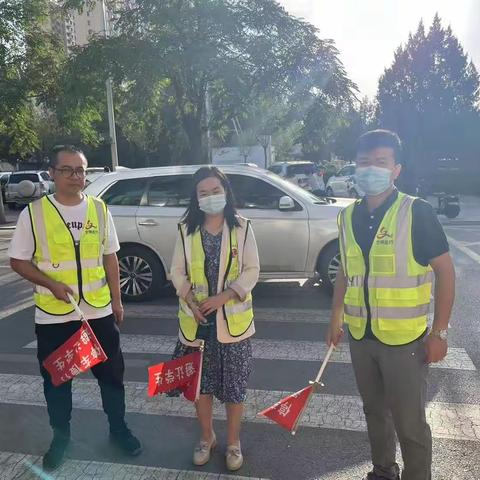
<point x="197" y="152"/>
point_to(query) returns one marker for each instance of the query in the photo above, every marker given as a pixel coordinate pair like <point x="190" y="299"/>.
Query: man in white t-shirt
<point x="100" y="300"/>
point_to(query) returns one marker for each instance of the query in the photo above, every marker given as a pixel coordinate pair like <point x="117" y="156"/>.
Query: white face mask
<point x="213" y="204"/>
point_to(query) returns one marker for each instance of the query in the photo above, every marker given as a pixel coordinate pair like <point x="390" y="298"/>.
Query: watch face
<point x="442" y="334"/>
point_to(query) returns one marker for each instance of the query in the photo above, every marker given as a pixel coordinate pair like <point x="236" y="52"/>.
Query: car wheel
<point x="329" y="192"/>
<point x="329" y="264"/>
<point x="141" y="274"/>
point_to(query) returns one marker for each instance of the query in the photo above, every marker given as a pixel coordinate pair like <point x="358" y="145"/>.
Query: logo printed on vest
<point x="90" y="227"/>
<point x="383" y="233"/>
<point x="234" y="252"/>
<point x="384" y="238"/>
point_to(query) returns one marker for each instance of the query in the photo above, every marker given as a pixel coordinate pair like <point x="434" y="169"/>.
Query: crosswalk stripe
<point x="27" y="467"/>
<point x="16" y="308"/>
<point x="456" y="421"/>
<point x="284" y="315"/>
<point x="457" y="358"/>
<point x="9" y="278"/>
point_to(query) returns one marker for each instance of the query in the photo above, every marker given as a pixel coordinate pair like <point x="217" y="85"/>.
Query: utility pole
<point x="110" y="109"/>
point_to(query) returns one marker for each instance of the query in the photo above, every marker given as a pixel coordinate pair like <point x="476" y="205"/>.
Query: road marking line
<point x="16" y="308"/>
<point x="28" y="467"/>
<point x="283" y="315"/>
<point x="300" y="350"/>
<point x="456" y="421"/>
<point x="460" y="246"/>
<point x="10" y="278"/>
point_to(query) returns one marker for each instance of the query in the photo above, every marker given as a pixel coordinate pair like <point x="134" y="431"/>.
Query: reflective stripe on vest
<point x="238" y="314"/>
<point x="399" y="289"/>
<point x="78" y="265"/>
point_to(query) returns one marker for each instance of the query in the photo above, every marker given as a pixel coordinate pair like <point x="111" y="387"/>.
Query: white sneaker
<point x="201" y="454"/>
<point x="234" y="457"/>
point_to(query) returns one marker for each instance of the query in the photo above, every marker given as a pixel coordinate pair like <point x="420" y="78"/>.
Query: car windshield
<point x="19" y="177"/>
<point x="300" y="169"/>
<point x="299" y="191"/>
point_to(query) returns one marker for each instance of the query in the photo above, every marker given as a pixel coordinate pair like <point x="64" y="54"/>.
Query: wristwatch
<point x="441" y="334"/>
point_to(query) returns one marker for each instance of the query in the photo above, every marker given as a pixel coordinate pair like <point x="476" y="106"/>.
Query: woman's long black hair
<point x="193" y="218"/>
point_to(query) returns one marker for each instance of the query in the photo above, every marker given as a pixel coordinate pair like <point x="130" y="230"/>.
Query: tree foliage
<point x="430" y="96"/>
<point x="30" y="60"/>
<point x="167" y="56"/>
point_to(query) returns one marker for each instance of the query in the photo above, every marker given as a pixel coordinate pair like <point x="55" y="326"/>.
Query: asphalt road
<point x="288" y="348"/>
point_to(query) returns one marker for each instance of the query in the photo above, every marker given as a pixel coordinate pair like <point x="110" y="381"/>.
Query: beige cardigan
<point x="249" y="268"/>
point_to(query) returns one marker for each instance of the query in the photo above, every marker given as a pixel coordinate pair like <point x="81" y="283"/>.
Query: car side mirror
<point x="286" y="203"/>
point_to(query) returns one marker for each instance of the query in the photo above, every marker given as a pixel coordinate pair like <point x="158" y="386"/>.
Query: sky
<point x="367" y="32"/>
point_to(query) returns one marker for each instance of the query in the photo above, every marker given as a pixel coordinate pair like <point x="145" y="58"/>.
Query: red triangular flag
<point x="183" y="373"/>
<point x="78" y="354"/>
<point x="191" y="391"/>
<point x="288" y="409"/>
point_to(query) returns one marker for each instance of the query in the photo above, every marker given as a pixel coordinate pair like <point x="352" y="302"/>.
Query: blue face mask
<point x="373" y="180"/>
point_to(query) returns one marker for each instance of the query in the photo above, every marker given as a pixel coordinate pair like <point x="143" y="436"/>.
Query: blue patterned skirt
<point x="225" y="370"/>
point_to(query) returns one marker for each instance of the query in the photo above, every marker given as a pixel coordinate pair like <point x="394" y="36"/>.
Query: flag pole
<point x="201" y="348"/>
<point x="76" y="307"/>
<point x="315" y="384"/>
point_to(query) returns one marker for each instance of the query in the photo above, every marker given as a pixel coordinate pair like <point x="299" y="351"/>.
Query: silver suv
<point x="296" y="231"/>
<point x="24" y="187"/>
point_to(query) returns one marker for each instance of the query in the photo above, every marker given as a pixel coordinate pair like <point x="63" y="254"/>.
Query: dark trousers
<point x="109" y="374"/>
<point x="392" y="382"/>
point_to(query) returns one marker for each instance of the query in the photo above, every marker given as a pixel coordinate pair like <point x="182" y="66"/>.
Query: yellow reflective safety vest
<point x="238" y="314"/>
<point x="398" y="288"/>
<point x="77" y="264"/>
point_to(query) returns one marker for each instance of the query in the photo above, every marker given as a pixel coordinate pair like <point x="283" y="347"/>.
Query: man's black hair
<point x="63" y="148"/>
<point x="378" y="139"/>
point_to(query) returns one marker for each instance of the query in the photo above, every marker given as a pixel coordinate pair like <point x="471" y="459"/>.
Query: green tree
<point x="430" y="96"/>
<point x="30" y="59"/>
<point x="359" y="119"/>
<point x="172" y="54"/>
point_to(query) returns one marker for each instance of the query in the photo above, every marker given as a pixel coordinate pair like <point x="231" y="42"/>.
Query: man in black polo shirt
<point x="392" y="247"/>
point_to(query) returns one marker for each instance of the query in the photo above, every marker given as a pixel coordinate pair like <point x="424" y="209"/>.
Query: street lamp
<point x="110" y="109"/>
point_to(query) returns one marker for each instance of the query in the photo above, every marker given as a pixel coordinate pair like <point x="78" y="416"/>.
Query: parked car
<point x="343" y="184"/>
<point x="304" y="174"/>
<point x="4" y="176"/>
<point x="96" y="172"/>
<point x="296" y="231"/>
<point x="24" y="187"/>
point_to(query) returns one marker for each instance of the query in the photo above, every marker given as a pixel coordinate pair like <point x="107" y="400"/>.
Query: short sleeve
<point x="22" y="245"/>
<point x="113" y="245"/>
<point x="428" y="238"/>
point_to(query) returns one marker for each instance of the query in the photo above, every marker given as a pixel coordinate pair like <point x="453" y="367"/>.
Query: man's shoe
<point x="374" y="476"/>
<point x="55" y="455"/>
<point x="127" y="442"/>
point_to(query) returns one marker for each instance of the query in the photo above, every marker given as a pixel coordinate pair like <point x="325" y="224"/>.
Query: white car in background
<point x="96" y="172"/>
<point x="343" y="184"/>
<point x="25" y="186"/>
<point x="296" y="232"/>
<point x="304" y="174"/>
